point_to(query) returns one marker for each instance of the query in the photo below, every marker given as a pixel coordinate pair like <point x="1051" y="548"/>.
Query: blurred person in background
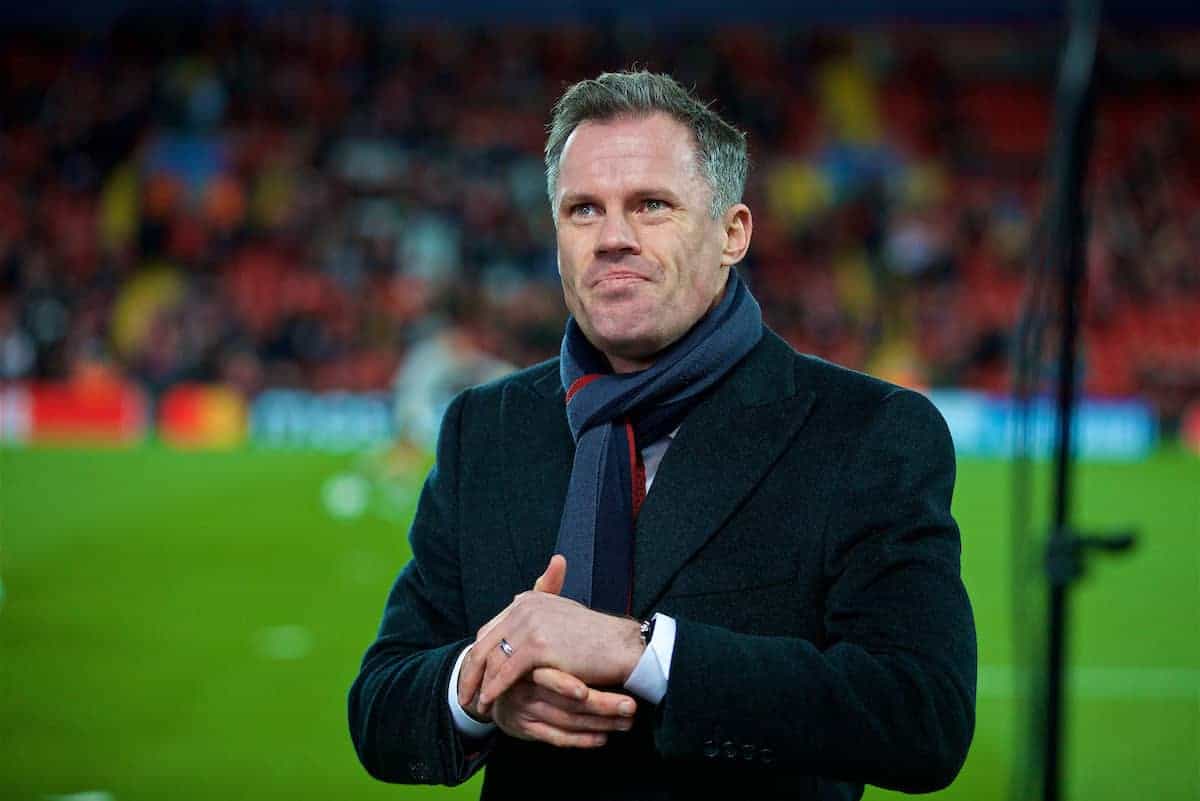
<point x="681" y="560"/>
<point x="275" y="204"/>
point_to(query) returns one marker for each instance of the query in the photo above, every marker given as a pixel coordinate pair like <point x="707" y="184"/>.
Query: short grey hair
<point x="720" y="147"/>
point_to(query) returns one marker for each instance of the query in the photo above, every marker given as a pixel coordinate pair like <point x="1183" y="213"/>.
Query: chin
<point x="628" y="347"/>
<point x="615" y="336"/>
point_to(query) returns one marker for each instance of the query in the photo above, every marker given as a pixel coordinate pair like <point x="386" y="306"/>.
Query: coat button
<point x="710" y="748"/>
<point x="766" y="756"/>
<point x="730" y="748"/>
<point x="749" y="752"/>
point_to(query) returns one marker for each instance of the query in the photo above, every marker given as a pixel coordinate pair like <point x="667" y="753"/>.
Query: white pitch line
<point x="1000" y="681"/>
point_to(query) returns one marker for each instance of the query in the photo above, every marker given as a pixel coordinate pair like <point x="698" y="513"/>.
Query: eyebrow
<point x="574" y="198"/>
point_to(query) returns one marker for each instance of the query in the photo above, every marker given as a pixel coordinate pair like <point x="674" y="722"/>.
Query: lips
<point x="620" y="277"/>
<point x="613" y="275"/>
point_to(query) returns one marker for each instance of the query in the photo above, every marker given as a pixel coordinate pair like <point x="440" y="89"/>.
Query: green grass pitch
<point x="185" y="626"/>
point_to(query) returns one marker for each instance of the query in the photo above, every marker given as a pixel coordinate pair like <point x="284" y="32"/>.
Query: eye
<point x="654" y="204"/>
<point x="584" y="210"/>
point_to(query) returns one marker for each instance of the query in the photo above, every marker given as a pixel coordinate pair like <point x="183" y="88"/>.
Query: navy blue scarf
<point x="612" y="416"/>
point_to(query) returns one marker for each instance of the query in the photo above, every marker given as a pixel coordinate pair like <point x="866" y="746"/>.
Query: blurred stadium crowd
<point x="300" y="202"/>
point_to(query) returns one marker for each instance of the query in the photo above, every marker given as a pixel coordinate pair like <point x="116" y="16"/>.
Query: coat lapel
<point x="539" y="452"/>
<point x="723" y="449"/>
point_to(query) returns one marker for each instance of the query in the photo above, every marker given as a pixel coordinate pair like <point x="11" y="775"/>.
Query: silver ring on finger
<point x="506" y="647"/>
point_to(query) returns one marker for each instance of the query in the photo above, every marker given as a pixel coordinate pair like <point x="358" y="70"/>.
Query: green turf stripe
<point x="1000" y="681"/>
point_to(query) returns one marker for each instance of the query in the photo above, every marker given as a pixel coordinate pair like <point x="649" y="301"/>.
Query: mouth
<point x="617" y="277"/>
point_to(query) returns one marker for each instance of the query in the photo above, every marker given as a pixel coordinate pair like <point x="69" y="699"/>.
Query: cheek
<point x="571" y="258"/>
<point x="695" y="246"/>
<point x="567" y="275"/>
<point x="701" y="268"/>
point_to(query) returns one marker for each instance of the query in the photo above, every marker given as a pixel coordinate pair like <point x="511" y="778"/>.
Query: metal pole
<point x="1065" y="548"/>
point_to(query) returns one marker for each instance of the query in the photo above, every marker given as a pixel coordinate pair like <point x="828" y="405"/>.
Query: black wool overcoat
<point x="799" y="531"/>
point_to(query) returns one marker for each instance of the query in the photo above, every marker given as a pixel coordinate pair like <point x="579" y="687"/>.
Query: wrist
<point x="634" y="645"/>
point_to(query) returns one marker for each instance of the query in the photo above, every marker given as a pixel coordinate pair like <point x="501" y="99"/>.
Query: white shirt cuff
<point x="467" y="725"/>
<point x="649" y="677"/>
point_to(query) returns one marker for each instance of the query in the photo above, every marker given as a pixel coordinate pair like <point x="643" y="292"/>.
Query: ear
<point x="738" y="225"/>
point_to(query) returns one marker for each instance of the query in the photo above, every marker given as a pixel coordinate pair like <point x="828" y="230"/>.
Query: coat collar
<point x="722" y="450"/>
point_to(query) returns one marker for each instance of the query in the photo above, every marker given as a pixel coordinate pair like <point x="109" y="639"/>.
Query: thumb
<point x="556" y="574"/>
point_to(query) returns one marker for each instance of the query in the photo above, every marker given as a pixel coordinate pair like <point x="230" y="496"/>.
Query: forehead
<point x="626" y="152"/>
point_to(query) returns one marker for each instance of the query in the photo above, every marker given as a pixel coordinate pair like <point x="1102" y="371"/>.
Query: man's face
<point x="641" y="258"/>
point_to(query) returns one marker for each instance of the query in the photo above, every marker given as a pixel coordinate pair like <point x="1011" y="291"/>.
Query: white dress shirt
<point x="648" y="680"/>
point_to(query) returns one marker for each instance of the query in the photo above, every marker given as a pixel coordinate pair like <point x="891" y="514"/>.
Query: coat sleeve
<point x="400" y="721"/>
<point x="888" y="697"/>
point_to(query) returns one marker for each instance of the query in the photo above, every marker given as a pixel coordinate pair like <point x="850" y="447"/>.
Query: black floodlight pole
<point x="1066" y="548"/>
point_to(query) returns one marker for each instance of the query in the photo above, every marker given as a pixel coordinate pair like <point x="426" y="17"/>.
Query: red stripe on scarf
<point x="637" y="469"/>
<point x="580" y="383"/>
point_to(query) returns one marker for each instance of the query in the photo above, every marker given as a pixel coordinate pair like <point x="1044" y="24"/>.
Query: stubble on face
<point x="639" y="254"/>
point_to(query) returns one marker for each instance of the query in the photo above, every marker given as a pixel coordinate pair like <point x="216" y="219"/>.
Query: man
<point x="682" y="560"/>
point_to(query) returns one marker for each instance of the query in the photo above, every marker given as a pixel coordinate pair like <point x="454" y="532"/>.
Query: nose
<point x="616" y="237"/>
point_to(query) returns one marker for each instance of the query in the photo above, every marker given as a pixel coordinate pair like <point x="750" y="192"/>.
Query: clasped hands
<point x="542" y="687"/>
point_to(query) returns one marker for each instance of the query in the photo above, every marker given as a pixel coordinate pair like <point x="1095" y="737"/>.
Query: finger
<point x="464" y="698"/>
<point x="498" y="675"/>
<point x="466" y="692"/>
<point x="526" y="702"/>
<point x="541" y="583"/>
<point x="470" y="677"/>
<point x="555" y="576"/>
<point x="564" y="690"/>
<point x="567" y="720"/>
<point x="560" y="682"/>
<point x="609" y="704"/>
<point x="564" y="739"/>
<point x="605" y="706"/>
<point x="503" y="672"/>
